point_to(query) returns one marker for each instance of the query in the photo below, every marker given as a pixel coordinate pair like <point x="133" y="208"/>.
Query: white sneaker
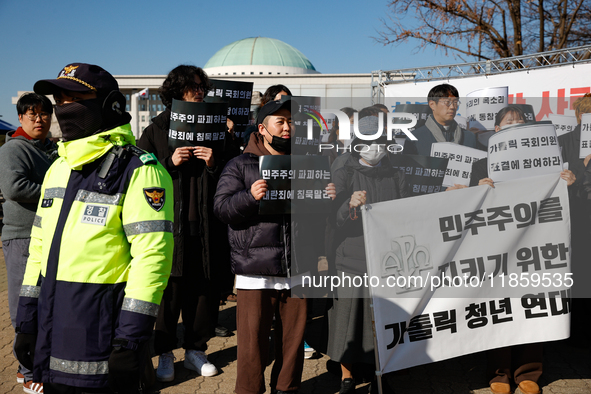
<point x="309" y="351"/>
<point x="165" y="371"/>
<point x="197" y="361"/>
<point x="33" y="388"/>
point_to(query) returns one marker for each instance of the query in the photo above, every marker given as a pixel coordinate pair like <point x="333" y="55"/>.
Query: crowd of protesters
<point x="172" y="229"/>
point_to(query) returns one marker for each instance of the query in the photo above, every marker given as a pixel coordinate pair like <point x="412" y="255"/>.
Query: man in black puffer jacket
<point x="261" y="259"/>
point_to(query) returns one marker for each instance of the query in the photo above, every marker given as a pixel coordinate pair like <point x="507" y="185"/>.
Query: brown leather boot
<point x="529" y="387"/>
<point x="500" y="388"/>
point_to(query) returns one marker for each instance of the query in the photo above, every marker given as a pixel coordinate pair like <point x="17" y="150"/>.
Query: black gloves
<point x="124" y="368"/>
<point x="24" y="347"/>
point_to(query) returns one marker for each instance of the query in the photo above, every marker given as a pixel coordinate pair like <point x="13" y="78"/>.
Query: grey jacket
<point x="430" y="133"/>
<point x="23" y="164"/>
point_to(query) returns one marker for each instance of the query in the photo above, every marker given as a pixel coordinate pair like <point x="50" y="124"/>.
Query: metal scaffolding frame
<point x="560" y="57"/>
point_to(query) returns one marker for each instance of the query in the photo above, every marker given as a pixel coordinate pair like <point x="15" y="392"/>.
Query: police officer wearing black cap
<point x="101" y="245"/>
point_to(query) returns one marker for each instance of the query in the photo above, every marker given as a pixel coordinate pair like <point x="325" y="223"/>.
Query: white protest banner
<point x="482" y="106"/>
<point x="585" y="136"/>
<point x="523" y="150"/>
<point x="563" y="123"/>
<point x="460" y="162"/>
<point x="469" y="270"/>
<point x="551" y="90"/>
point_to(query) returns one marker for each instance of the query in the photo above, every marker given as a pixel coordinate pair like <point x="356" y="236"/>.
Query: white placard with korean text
<point x="585" y="136"/>
<point x="563" y="123"/>
<point x="482" y="106"/>
<point x="493" y="240"/>
<point x="460" y="161"/>
<point x="523" y="150"/>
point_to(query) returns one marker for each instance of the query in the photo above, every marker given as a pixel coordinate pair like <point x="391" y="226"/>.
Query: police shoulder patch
<point x="145" y="157"/>
<point x="148" y="158"/>
<point x="155" y="196"/>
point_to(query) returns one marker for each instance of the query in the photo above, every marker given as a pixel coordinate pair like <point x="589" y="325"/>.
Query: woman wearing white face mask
<point x="366" y="177"/>
<point x="506" y="117"/>
<point x="333" y="138"/>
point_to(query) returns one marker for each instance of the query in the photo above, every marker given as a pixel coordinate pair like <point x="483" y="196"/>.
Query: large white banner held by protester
<point x="490" y="267"/>
<point x="523" y="150"/>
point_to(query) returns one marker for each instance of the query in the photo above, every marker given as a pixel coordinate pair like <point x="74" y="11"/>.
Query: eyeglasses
<point x="33" y="116"/>
<point x="449" y="103"/>
<point x="197" y="87"/>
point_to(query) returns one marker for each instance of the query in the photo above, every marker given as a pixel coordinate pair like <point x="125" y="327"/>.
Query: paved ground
<point x="567" y="368"/>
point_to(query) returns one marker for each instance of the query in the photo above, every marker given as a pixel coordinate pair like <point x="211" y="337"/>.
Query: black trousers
<point x="193" y="295"/>
<point x="56" y="388"/>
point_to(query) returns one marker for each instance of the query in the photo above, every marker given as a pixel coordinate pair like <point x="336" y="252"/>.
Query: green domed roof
<point x="259" y="51"/>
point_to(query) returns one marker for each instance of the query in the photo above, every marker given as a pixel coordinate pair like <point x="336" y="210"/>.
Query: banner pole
<point x="378" y="371"/>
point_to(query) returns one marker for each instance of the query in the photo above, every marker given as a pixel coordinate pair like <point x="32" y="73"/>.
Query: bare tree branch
<point x="485" y="29"/>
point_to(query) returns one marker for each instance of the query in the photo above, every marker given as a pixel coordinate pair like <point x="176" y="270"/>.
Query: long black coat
<point x="190" y="177"/>
<point x="382" y="183"/>
<point x="580" y="207"/>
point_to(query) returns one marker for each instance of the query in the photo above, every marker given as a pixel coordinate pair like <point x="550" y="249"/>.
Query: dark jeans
<point x="16" y="253"/>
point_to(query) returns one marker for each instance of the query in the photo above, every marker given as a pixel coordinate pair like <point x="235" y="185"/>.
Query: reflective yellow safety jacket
<point x="100" y="256"/>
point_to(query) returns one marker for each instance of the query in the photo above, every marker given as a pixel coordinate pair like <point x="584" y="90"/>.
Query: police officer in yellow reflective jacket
<point x="101" y="245"/>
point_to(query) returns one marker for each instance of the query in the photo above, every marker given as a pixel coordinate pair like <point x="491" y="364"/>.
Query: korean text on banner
<point x="197" y="124"/>
<point x="238" y="95"/>
<point x="460" y="161"/>
<point x="563" y="123"/>
<point x="306" y="118"/>
<point x="423" y="174"/>
<point x="585" y="136"/>
<point x="296" y="184"/>
<point x="505" y="252"/>
<point x="522" y="151"/>
<point x="482" y="106"/>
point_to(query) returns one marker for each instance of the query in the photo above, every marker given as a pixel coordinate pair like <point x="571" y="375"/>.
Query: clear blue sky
<point x="152" y="37"/>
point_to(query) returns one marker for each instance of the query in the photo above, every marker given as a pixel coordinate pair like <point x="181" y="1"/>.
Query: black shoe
<point x="373" y="388"/>
<point x="334" y="368"/>
<point x="221" y="331"/>
<point x="347" y="386"/>
<point x="284" y="392"/>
